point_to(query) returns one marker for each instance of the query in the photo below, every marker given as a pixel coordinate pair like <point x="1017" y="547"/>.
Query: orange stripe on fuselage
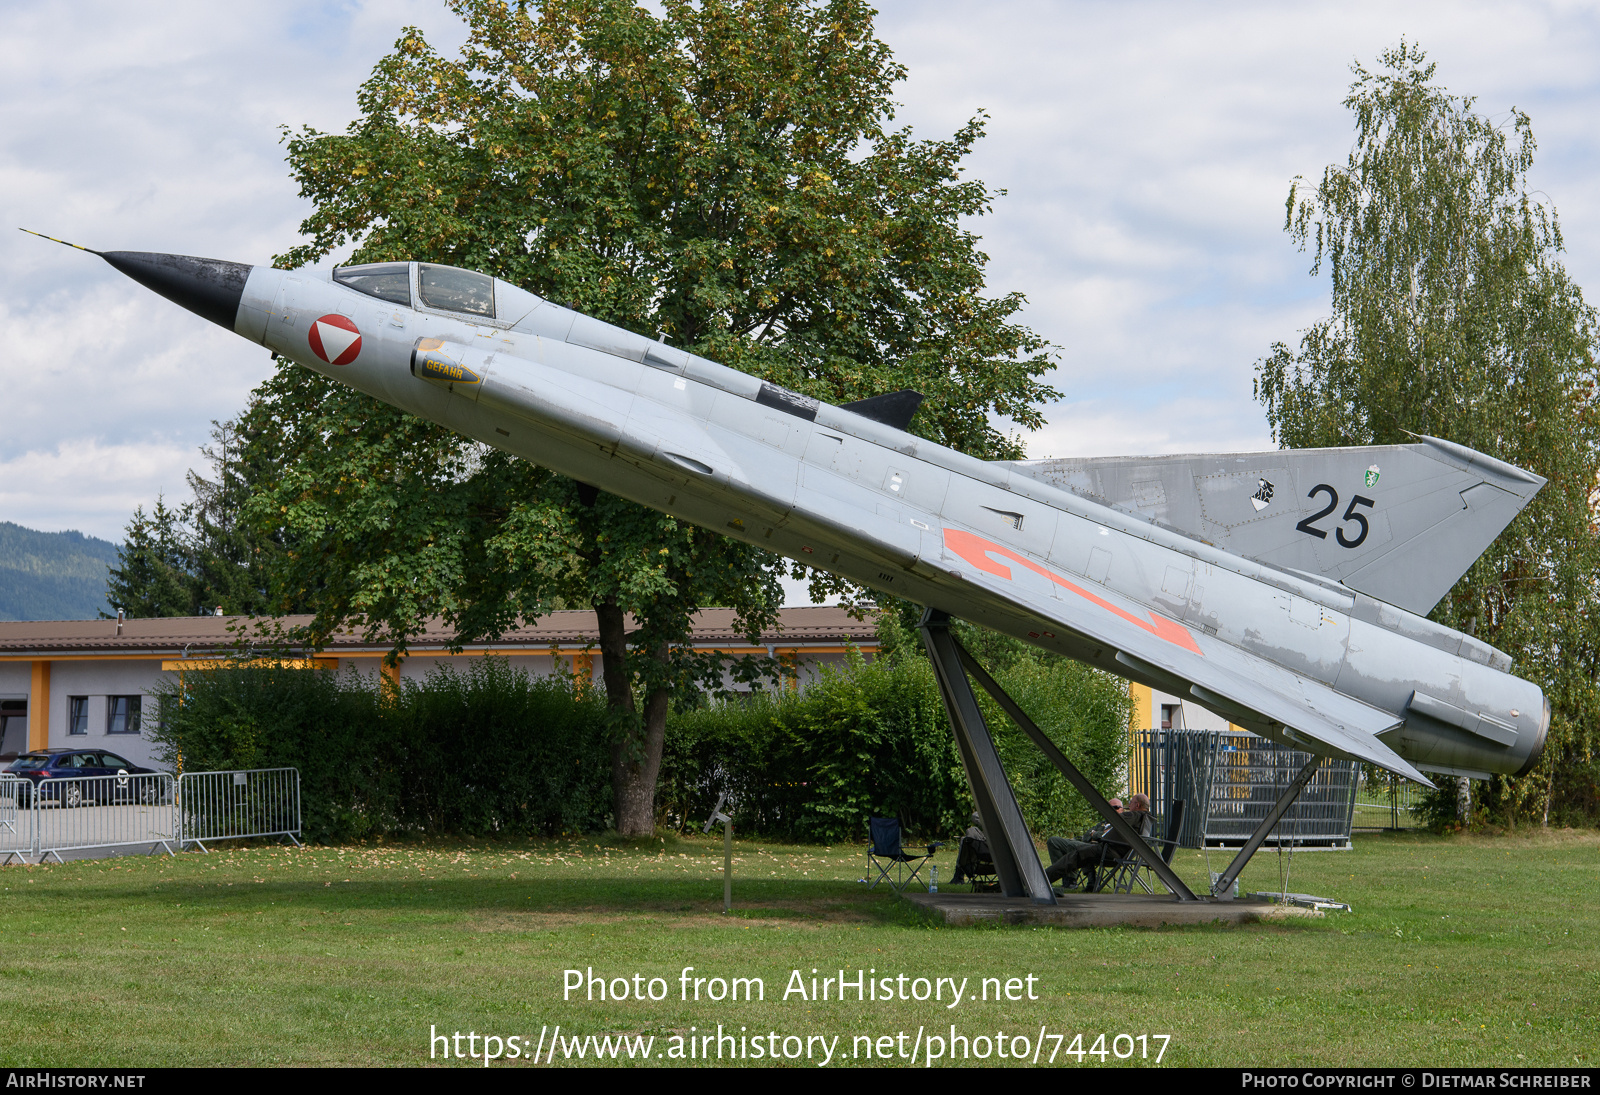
<point x="975" y="550"/>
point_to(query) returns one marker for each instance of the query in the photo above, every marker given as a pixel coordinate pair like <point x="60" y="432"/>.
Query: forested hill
<point x="52" y="575"/>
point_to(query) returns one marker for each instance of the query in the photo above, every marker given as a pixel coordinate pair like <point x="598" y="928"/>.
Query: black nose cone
<point x="207" y="287"/>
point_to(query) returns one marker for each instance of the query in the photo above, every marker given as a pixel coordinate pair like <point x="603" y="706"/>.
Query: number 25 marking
<point x="1309" y="524"/>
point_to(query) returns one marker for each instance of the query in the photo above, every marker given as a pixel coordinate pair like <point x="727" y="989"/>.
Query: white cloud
<point x="1178" y="425"/>
<point x="104" y="364"/>
<point x="90" y="487"/>
<point x="147" y="127"/>
<point x="1147" y="150"/>
<point x="797" y="594"/>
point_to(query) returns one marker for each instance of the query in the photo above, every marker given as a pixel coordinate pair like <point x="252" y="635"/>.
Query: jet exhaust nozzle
<point x="211" y="288"/>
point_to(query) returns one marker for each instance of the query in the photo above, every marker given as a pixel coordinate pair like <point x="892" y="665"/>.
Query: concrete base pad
<point x="1099" y="910"/>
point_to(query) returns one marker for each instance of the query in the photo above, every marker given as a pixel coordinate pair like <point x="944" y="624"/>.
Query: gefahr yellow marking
<point x="445" y="370"/>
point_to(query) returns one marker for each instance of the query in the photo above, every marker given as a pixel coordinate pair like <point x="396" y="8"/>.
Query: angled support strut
<point x="1222" y="888"/>
<point x="1016" y="863"/>
<point x="1088" y="790"/>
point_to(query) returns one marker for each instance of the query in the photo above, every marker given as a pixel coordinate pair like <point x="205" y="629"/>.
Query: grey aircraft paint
<point x="1401" y="523"/>
<point x="1281" y="590"/>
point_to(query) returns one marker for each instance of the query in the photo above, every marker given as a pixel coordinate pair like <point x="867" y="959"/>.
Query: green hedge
<point x="484" y="750"/>
<point x="872" y="741"/>
<point x="490" y="749"/>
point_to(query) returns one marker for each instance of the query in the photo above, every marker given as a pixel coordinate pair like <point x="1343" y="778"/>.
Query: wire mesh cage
<point x="1228" y="780"/>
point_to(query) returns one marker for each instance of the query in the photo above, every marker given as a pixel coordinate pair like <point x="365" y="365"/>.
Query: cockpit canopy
<point x="389" y="281"/>
<point x="442" y="288"/>
<point x="439" y="288"/>
<point x="450" y="289"/>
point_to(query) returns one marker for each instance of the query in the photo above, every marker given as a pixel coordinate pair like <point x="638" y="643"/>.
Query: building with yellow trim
<point x="89" y="683"/>
<point x="1153" y="710"/>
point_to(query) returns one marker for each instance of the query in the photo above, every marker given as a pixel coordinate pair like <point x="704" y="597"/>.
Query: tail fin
<point x="1401" y="523"/>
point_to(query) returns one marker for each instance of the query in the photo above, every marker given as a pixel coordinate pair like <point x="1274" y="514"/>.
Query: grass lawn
<point x="1459" y="951"/>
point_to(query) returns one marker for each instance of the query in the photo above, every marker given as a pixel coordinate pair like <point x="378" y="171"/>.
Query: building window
<point x="13" y="727"/>
<point x="77" y="714"/>
<point x="122" y="714"/>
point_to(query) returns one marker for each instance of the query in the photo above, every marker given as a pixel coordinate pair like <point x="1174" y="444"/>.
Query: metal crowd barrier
<point x="10" y="792"/>
<point x="72" y="813"/>
<point x="1229" y="780"/>
<point x="1388" y="802"/>
<point x="16" y="819"/>
<point x="257" y="802"/>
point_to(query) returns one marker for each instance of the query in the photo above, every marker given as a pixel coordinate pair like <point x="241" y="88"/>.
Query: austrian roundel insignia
<point x="335" y="339"/>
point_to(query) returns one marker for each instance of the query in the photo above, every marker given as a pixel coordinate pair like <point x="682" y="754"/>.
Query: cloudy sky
<point x="1146" y="150"/>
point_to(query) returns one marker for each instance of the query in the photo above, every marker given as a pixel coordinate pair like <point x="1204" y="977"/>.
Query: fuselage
<point x="847" y="494"/>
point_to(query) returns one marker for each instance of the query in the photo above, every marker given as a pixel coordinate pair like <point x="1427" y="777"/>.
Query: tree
<point x="1452" y="316"/>
<point x="228" y="559"/>
<point x="152" y="576"/>
<point x="200" y="556"/>
<point x="721" y="175"/>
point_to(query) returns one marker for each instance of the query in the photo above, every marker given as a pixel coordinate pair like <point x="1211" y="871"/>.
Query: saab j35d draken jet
<point x="1285" y="591"/>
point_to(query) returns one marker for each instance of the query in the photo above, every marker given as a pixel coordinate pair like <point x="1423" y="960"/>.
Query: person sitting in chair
<point x="972" y="853"/>
<point x="1061" y="845"/>
<point x="1099" y="845"/>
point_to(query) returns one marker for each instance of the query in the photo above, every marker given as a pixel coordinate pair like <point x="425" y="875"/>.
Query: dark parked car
<point x="50" y="774"/>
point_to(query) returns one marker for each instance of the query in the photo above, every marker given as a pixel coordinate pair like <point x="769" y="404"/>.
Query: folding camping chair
<point x="1127" y="869"/>
<point x="974" y="864"/>
<point x="893" y="863"/>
